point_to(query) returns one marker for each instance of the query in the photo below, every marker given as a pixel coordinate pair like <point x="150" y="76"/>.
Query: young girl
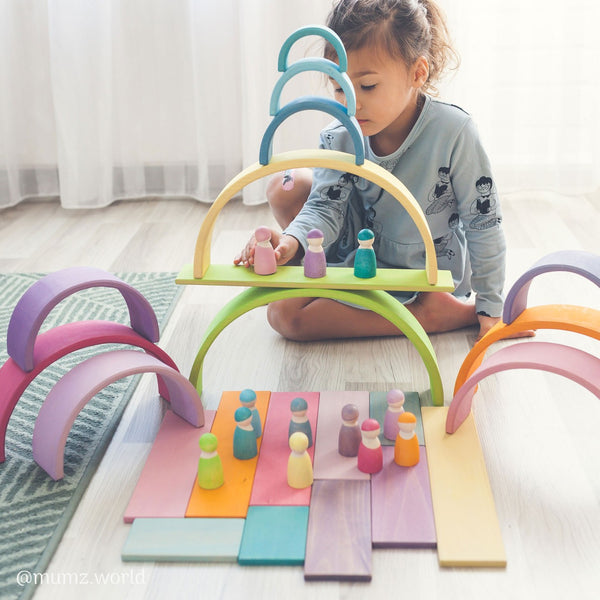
<point x="397" y="51"/>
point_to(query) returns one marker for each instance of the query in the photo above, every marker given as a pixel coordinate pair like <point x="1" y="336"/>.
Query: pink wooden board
<point x="401" y="506"/>
<point x="338" y="543"/>
<point x="167" y="479"/>
<point x="270" y="481"/>
<point x="328" y="463"/>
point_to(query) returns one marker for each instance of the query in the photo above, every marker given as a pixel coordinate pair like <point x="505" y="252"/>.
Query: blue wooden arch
<point x="321" y="65"/>
<point x="321" y="31"/>
<point x="335" y="109"/>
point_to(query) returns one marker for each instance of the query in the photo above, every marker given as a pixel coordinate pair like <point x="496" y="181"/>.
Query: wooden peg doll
<point x="299" y="420"/>
<point x="299" y="469"/>
<point x="349" y="436"/>
<point x="210" y="469"/>
<point x="244" y="437"/>
<point x="395" y="401"/>
<point x="264" y="254"/>
<point x="406" y="449"/>
<point x="315" y="264"/>
<point x="365" y="262"/>
<point x="370" y="454"/>
<point x="248" y="399"/>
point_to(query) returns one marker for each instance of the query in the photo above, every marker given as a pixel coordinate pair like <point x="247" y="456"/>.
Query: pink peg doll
<point x="370" y="454"/>
<point x="264" y="254"/>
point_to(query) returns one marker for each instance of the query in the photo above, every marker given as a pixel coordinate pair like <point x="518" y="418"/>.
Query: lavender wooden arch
<point x="37" y="302"/>
<point x="582" y="263"/>
<point x="83" y="382"/>
<point x="58" y="342"/>
<point x="575" y="364"/>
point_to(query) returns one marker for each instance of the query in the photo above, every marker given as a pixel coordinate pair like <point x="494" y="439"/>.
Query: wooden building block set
<point x="311" y="478"/>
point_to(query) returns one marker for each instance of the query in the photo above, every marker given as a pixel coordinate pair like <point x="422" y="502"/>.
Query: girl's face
<point x="386" y="96"/>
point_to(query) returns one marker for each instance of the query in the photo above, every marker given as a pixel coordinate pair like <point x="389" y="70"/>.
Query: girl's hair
<point x="404" y="29"/>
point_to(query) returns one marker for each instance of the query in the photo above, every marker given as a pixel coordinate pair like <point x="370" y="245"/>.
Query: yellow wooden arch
<point x="328" y="159"/>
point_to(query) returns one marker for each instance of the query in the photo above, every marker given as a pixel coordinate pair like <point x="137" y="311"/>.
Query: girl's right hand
<point x="246" y="256"/>
<point x="286" y="247"/>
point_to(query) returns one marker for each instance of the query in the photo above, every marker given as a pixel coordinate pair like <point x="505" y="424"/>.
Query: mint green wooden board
<point x="183" y="540"/>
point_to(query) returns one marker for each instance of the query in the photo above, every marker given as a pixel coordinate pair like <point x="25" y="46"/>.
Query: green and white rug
<point x="36" y="510"/>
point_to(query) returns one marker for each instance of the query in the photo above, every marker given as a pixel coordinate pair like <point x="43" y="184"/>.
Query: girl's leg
<point x="307" y="319"/>
<point x="286" y="197"/>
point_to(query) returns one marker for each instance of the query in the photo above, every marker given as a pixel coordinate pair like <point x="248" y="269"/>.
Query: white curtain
<point x="110" y="99"/>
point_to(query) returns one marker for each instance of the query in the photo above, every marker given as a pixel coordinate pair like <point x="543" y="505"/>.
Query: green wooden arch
<point x="375" y="300"/>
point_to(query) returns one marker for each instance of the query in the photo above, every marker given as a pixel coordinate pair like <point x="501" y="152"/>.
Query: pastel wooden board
<point x="412" y="403"/>
<point x="338" y="544"/>
<point x="166" y="481"/>
<point x="183" y="540"/>
<point x="233" y="497"/>
<point x="401" y="506"/>
<point x="467" y="528"/>
<point x="270" y="481"/>
<point x="340" y="278"/>
<point x="274" y="535"/>
<point x="329" y="464"/>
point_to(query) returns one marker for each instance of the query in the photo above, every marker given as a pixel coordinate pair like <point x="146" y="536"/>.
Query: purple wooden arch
<point x="37" y="302"/>
<point x="582" y="263"/>
<point x="58" y="342"/>
<point x="72" y="392"/>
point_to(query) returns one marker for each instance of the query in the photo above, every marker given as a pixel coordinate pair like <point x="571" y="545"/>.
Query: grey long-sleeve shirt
<point x="445" y="167"/>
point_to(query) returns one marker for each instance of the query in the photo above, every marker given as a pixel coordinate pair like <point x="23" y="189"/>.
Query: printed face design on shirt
<point x="441" y="195"/>
<point x="341" y="191"/>
<point x="484" y="205"/>
<point x="441" y="243"/>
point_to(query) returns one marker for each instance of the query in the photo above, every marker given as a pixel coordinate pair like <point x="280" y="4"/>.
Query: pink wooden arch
<point x="37" y="302"/>
<point x="58" y="342"/>
<point x="570" y="362"/>
<point x="83" y="382"/>
<point x="582" y="263"/>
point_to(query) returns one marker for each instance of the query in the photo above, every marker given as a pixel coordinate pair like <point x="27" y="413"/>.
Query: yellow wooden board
<point x="338" y="278"/>
<point x="233" y="497"/>
<point x="467" y="528"/>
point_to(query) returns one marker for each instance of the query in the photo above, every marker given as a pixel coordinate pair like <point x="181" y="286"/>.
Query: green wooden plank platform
<point x="339" y="278"/>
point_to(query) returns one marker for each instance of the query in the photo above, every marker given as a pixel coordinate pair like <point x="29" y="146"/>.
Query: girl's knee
<point x="286" y="320"/>
<point x="283" y="192"/>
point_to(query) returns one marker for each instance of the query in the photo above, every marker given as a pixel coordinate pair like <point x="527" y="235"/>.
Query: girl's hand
<point x="486" y="323"/>
<point x="286" y="247"/>
<point x="246" y="256"/>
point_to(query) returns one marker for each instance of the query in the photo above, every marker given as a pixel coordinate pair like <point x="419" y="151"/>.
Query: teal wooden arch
<point x="319" y="30"/>
<point x="335" y="109"/>
<point x="321" y="65"/>
<point x="375" y="300"/>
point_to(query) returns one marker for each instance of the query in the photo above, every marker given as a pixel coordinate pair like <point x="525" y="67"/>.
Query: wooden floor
<point x="539" y="432"/>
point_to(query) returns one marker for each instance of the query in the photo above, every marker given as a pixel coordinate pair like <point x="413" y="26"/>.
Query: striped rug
<point x="34" y="509"/>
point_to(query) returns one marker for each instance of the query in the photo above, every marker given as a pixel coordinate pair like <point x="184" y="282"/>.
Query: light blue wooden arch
<point x="378" y="301"/>
<point x="321" y="65"/>
<point x="321" y="31"/>
<point x="335" y="109"/>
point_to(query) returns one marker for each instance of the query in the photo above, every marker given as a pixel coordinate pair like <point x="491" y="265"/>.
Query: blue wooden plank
<point x="183" y="540"/>
<point x="274" y="535"/>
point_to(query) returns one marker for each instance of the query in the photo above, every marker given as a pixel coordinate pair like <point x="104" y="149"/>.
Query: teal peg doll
<point x="365" y="262"/>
